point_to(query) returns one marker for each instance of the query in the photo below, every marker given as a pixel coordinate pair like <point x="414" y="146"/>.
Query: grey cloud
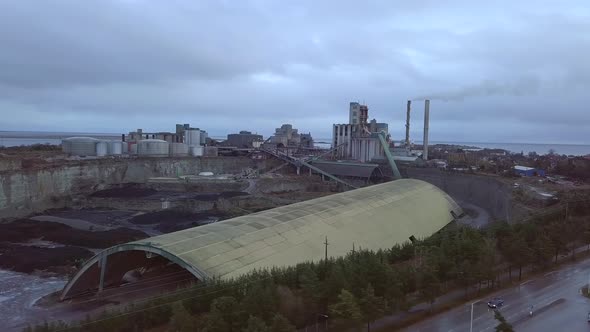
<point x="113" y="65"/>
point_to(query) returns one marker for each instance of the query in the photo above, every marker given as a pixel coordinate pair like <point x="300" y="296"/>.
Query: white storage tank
<point x="102" y="149"/>
<point x="80" y="146"/>
<point x="178" y="150"/>
<point x="196" y="151"/>
<point x="192" y="137"/>
<point x="66" y="146"/>
<point x="115" y="148"/>
<point x="125" y="147"/>
<point x="133" y="148"/>
<point x="153" y="148"/>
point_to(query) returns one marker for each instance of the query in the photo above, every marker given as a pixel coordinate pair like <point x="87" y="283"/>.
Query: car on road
<point x="495" y="303"/>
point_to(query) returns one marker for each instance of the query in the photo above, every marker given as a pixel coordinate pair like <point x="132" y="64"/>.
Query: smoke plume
<point x="521" y="87"/>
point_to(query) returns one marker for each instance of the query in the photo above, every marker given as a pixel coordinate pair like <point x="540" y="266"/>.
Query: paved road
<point x="558" y="305"/>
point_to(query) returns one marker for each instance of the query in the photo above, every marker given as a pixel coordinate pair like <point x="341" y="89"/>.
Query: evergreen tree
<point x="224" y="316"/>
<point x="429" y="286"/>
<point x="519" y="253"/>
<point x="281" y="324"/>
<point x="335" y="282"/>
<point x="372" y="306"/>
<point x="181" y="320"/>
<point x="310" y="291"/>
<point x="261" y="300"/>
<point x="503" y="325"/>
<point x="255" y="324"/>
<point x="347" y="307"/>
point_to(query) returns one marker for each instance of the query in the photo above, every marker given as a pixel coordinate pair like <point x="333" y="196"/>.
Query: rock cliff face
<point x="486" y="192"/>
<point x="25" y="190"/>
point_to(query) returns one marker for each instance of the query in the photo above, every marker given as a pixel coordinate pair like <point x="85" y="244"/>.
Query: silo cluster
<point x="89" y="146"/>
<point x="153" y="148"/>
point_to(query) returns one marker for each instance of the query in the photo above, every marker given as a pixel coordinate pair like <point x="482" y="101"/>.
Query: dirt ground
<point x="28" y="245"/>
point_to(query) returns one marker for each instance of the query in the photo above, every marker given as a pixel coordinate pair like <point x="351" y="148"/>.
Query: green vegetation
<point x="361" y="287"/>
<point x="503" y="325"/>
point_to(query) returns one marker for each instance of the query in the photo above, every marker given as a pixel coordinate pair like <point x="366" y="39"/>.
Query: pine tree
<point x="261" y="300"/>
<point x="503" y="325"/>
<point x="255" y="324"/>
<point x="346" y="307"/>
<point x="224" y="316"/>
<point x="181" y="320"/>
<point x="372" y="306"/>
<point x="281" y="324"/>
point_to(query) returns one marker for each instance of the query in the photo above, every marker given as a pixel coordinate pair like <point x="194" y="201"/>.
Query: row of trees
<point x="362" y="286"/>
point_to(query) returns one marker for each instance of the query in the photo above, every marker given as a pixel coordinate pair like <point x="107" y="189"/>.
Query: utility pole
<point x="326" y="252"/>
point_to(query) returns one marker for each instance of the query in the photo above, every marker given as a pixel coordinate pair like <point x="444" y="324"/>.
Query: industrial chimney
<point x="408" y="124"/>
<point x="426" y="121"/>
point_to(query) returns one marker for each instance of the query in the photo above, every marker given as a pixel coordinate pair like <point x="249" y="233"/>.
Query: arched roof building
<point x="375" y="217"/>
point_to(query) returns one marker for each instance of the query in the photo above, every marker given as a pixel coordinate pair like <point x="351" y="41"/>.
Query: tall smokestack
<point x="408" y="124"/>
<point x="426" y="122"/>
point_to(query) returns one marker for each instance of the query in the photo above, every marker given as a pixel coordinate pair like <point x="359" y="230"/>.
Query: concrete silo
<point x="178" y="150"/>
<point x="102" y="148"/>
<point x="153" y="148"/>
<point x="80" y="146"/>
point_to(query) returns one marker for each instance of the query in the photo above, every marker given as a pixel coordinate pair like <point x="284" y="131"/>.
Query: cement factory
<point x="358" y="148"/>
<point x="154" y="212"/>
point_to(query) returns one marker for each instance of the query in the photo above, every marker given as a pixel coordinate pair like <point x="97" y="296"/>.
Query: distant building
<point x="139" y="135"/>
<point x="286" y="136"/>
<point x="244" y="139"/>
<point x="528" y="171"/>
<point x="359" y="140"/>
<point x="307" y="141"/>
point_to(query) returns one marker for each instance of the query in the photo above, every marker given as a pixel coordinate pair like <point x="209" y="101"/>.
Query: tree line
<point x="360" y="287"/>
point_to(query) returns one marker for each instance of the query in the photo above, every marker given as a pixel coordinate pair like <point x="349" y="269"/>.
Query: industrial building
<point x="244" y="139"/>
<point x="528" y="171"/>
<point x="375" y="217"/>
<point x="286" y="136"/>
<point x="184" y="142"/>
<point x="360" y="140"/>
<point x="307" y="141"/>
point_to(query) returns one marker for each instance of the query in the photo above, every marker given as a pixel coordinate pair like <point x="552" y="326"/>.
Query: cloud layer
<point x="494" y="72"/>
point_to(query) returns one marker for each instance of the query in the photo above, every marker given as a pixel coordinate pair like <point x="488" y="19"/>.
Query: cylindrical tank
<point x="115" y="147"/>
<point x="125" y="147"/>
<point x="102" y="149"/>
<point x="80" y="146"/>
<point x="192" y="137"/>
<point x="132" y="148"/>
<point x="196" y="151"/>
<point x="153" y="148"/>
<point x="178" y="150"/>
<point x="66" y="146"/>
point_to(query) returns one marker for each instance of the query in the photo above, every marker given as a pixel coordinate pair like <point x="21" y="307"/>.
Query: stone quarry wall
<point x="486" y="192"/>
<point x="34" y="189"/>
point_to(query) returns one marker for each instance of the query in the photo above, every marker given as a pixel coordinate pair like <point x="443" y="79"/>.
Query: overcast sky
<point x="496" y="71"/>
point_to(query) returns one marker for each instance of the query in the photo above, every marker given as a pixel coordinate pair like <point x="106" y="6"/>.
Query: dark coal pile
<point x="125" y="192"/>
<point x="24" y="230"/>
<point x="97" y="216"/>
<point x="230" y="194"/>
<point x="27" y="259"/>
<point x="100" y="240"/>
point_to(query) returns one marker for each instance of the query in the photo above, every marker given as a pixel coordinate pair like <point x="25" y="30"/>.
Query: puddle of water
<point x="18" y="294"/>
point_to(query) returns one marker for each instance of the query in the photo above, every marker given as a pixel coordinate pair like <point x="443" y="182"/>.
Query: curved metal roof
<point x="375" y="217"/>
